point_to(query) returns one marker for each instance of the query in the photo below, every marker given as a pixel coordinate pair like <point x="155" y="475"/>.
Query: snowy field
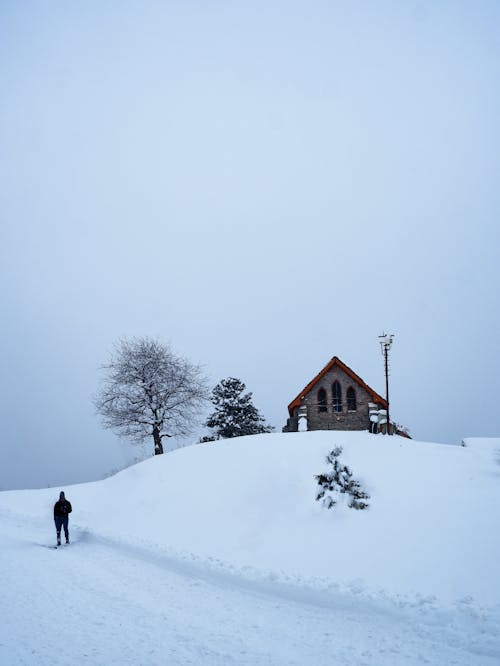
<point x="219" y="554"/>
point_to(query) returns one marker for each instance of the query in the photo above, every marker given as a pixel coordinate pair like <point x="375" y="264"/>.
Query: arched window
<point x="351" y="399"/>
<point x="337" y="397"/>
<point x="322" y="400"/>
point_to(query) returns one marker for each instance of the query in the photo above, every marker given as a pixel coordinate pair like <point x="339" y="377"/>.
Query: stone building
<point x="337" y="399"/>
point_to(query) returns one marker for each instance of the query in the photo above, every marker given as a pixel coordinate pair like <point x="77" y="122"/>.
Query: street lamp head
<point x="386" y="341"/>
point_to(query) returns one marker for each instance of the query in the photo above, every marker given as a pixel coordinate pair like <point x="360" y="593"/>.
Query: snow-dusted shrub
<point x="207" y="438"/>
<point x="340" y="481"/>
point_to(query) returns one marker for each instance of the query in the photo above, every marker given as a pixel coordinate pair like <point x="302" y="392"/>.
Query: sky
<point x="263" y="186"/>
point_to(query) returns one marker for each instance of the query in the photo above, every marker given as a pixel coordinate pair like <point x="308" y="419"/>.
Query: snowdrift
<point x="249" y="503"/>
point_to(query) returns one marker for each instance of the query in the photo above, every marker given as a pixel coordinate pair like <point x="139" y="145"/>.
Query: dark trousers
<point x="61" y="521"/>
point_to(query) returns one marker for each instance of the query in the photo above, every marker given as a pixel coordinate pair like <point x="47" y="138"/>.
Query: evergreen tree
<point x="339" y="481"/>
<point x="234" y="413"/>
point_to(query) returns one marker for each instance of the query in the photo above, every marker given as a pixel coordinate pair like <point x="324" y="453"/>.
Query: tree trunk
<point x="157" y="440"/>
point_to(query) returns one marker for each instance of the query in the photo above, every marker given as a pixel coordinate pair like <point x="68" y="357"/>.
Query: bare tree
<point x="148" y="391"/>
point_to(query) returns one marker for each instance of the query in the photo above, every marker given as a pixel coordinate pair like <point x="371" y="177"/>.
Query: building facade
<point x="337" y="399"/>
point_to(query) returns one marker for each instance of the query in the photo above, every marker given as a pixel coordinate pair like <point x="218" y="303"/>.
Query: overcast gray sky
<point x="263" y="185"/>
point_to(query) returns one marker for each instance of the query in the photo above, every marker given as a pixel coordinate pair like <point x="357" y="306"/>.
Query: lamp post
<point x="385" y="345"/>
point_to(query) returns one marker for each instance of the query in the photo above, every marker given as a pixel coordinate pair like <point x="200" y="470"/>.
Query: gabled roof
<point x="335" y="361"/>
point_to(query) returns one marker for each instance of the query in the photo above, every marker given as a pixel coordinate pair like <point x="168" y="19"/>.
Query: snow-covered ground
<point x="219" y="554"/>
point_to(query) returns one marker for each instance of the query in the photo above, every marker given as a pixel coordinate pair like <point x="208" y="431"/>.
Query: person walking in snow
<point x="62" y="509"/>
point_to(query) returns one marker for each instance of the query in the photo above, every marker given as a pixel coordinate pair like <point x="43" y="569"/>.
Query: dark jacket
<point x="62" y="508"/>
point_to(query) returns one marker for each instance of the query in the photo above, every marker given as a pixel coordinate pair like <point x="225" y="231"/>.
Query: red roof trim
<point x="356" y="378"/>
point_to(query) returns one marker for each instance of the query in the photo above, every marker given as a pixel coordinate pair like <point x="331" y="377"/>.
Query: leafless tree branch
<point x="148" y="391"/>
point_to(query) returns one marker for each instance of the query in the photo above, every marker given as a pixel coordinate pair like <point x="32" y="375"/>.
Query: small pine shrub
<point x="339" y="481"/>
<point x="207" y="438"/>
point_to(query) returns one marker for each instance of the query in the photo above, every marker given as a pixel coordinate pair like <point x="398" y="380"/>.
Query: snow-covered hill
<point x="240" y="516"/>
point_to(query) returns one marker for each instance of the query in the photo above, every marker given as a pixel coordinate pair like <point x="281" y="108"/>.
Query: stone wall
<point x="332" y="420"/>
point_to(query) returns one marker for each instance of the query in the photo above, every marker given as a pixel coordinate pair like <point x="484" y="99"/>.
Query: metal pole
<point x="386" y="353"/>
<point x="385" y="344"/>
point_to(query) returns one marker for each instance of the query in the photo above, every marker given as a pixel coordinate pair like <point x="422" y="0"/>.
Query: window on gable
<point x="351" y="399"/>
<point x="337" y="397"/>
<point x="322" y="400"/>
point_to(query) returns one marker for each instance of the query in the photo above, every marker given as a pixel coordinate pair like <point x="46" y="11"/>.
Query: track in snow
<point x="102" y="602"/>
